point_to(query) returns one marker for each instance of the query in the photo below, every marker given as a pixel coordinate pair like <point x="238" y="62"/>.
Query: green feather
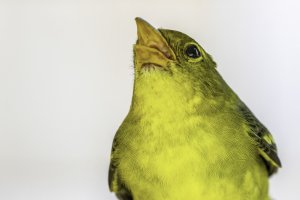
<point x="187" y="134"/>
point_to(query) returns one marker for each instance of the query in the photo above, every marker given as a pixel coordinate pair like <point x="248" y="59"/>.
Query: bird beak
<point x="151" y="47"/>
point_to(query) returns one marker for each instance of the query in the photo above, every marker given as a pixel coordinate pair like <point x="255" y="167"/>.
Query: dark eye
<point x="192" y="51"/>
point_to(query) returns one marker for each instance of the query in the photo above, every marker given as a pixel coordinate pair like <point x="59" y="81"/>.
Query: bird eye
<point x="192" y="51"/>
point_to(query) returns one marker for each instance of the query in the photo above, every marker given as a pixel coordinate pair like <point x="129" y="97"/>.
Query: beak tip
<point x="140" y="22"/>
<point x="139" y="19"/>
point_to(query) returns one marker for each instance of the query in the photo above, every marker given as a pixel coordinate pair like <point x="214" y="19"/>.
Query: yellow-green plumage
<point x="187" y="134"/>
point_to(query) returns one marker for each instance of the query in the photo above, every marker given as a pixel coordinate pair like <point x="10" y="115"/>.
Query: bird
<point x="187" y="134"/>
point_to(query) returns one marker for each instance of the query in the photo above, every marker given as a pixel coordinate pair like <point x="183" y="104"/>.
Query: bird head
<point x="172" y="69"/>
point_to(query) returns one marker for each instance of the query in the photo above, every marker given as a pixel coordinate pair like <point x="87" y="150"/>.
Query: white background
<point x="66" y="83"/>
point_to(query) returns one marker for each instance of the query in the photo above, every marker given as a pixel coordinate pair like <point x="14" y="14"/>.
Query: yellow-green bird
<point x="187" y="134"/>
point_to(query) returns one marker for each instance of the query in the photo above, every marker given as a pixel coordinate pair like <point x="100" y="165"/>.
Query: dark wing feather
<point x="114" y="181"/>
<point x="263" y="138"/>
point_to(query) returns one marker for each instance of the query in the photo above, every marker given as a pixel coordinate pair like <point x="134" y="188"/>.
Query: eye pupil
<point x="192" y="51"/>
